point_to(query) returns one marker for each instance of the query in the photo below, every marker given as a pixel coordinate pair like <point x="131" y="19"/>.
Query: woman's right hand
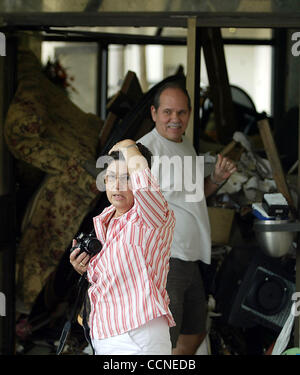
<point x="79" y="262"/>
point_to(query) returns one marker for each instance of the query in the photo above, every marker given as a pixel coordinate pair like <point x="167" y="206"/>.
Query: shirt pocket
<point x="136" y="235"/>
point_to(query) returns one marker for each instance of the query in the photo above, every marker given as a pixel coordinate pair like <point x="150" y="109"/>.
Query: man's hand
<point x="224" y="168"/>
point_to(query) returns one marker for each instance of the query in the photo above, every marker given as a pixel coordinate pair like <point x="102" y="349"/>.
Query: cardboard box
<point x="221" y="220"/>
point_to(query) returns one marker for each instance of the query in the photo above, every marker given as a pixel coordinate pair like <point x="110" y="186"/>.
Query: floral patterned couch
<point x="44" y="129"/>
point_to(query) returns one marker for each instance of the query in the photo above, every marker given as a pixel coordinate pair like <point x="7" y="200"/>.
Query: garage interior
<point x="93" y="60"/>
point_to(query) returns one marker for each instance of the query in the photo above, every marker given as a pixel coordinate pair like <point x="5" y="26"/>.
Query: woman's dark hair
<point x="117" y="155"/>
<point x="170" y="85"/>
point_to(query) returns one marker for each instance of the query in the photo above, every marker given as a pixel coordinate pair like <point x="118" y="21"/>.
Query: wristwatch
<point x="214" y="181"/>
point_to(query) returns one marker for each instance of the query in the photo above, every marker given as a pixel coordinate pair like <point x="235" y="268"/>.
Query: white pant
<point x="152" y="338"/>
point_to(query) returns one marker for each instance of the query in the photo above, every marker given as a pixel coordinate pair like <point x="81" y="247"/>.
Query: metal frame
<point x="8" y="207"/>
<point x="52" y="34"/>
<point x="102" y="73"/>
<point x="155" y="19"/>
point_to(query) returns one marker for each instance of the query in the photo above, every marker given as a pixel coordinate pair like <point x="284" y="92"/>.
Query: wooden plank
<point x="273" y="157"/>
<point x="225" y="118"/>
<point x="193" y="80"/>
<point x="227" y="149"/>
<point x="119" y="104"/>
<point x="233" y="150"/>
<point x="131" y="86"/>
<point x="127" y="97"/>
<point x="146" y="127"/>
<point x="108" y="125"/>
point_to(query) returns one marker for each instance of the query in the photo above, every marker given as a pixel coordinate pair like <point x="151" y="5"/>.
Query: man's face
<point x="172" y="116"/>
<point x="118" y="187"/>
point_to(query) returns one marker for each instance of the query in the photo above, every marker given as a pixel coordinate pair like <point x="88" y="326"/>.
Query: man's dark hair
<point x="170" y="85"/>
<point x="116" y="155"/>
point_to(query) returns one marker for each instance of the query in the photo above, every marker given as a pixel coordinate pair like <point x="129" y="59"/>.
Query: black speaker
<point x="264" y="296"/>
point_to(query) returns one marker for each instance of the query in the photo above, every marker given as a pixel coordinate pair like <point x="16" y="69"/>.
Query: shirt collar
<point x="104" y="218"/>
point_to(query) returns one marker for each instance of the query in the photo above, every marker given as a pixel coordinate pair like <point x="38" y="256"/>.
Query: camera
<point x="87" y="243"/>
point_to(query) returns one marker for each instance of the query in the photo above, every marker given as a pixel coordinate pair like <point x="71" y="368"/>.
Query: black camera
<point x="87" y="243"/>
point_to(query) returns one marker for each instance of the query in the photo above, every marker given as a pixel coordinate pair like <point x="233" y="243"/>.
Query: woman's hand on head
<point x="122" y="144"/>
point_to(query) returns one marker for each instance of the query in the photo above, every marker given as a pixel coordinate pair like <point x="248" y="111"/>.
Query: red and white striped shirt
<point x="128" y="277"/>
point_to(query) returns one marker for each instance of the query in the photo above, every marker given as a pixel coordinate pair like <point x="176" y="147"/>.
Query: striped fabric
<point x="128" y="277"/>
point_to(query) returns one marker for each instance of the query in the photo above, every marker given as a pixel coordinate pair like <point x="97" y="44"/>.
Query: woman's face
<point x="118" y="187"/>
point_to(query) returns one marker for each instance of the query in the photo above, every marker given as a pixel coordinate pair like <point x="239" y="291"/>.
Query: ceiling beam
<point x="154" y="19"/>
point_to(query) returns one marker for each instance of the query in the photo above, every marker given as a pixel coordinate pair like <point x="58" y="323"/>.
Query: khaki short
<point x="187" y="299"/>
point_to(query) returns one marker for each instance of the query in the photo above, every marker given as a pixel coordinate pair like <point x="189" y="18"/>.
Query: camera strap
<point x="82" y="287"/>
<point x="85" y="316"/>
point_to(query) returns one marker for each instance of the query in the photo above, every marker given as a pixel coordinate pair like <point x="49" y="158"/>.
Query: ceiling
<point x="156" y="13"/>
<point x="149" y="6"/>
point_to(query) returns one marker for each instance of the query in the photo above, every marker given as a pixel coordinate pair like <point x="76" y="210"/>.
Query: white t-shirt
<point x="192" y="240"/>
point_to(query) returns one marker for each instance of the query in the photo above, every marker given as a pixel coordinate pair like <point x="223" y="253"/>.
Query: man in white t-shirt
<point x="192" y="243"/>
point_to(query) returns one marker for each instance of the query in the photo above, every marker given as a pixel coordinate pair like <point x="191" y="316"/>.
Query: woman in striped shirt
<point x="129" y="303"/>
